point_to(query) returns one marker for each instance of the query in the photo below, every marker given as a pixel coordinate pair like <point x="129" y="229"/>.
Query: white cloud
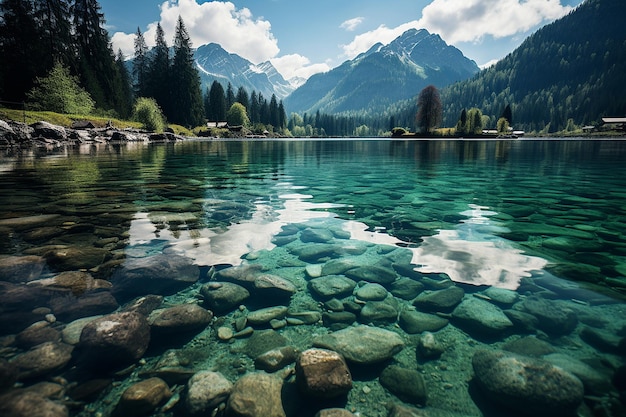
<point x="351" y="24"/>
<point x="220" y="22"/>
<point x="297" y="66"/>
<point x="468" y="21"/>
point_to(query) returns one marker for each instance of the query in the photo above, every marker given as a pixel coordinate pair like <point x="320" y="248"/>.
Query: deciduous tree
<point x="429" y="109"/>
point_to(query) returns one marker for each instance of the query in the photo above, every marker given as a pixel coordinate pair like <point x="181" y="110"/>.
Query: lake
<point x="448" y="275"/>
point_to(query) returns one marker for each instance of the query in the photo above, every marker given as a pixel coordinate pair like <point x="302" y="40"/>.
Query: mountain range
<point x="383" y="75"/>
<point x="373" y="80"/>
<point x="214" y="63"/>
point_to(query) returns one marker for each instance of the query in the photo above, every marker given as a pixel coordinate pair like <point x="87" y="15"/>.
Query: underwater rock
<point x="180" y="319"/>
<point x="375" y="274"/>
<point x="256" y="394"/>
<point x="145" y="304"/>
<point x="8" y="374"/>
<point x="314" y="252"/>
<point x="275" y="359"/>
<point x="263" y="341"/>
<point x="332" y="286"/>
<point x="529" y="346"/>
<point x="243" y="275"/>
<point x="223" y="297"/>
<point x="322" y="373"/>
<point x="75" y="282"/>
<point x="272" y="287"/>
<point x="593" y="380"/>
<point x="206" y="390"/>
<point x="265" y="315"/>
<point x="338" y="319"/>
<point x="162" y="274"/>
<point x="311" y="235"/>
<point x="406" y="384"/>
<point x="114" y="340"/>
<point x="428" y="346"/>
<point x="481" y="317"/>
<point x="90" y="304"/>
<point x="526" y="385"/>
<point x="339" y="266"/>
<point x="522" y="322"/>
<point x="72" y="258"/>
<point x="23" y="403"/>
<point x="36" y="334"/>
<point x="42" y="359"/>
<point x="362" y="344"/>
<point x="371" y="292"/>
<point x="440" y="300"/>
<point x="334" y="412"/>
<point x="406" y="288"/>
<point x="501" y="296"/>
<point x="143" y="397"/>
<point x="21" y="268"/>
<point x="554" y="317"/>
<point x="379" y="312"/>
<point x="413" y="322"/>
<point x="303" y="317"/>
<point x="603" y="340"/>
<point x="71" y="332"/>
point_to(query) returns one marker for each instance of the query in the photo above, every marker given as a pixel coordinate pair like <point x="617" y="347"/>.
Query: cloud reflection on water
<point x="472" y="254"/>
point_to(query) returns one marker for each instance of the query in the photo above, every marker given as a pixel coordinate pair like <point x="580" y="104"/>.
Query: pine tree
<point x="230" y="96"/>
<point x="126" y="104"/>
<point x="187" y="107"/>
<point x="255" y="109"/>
<point x="242" y="97"/>
<point x="140" y="65"/>
<point x="217" y="103"/>
<point x="158" y="73"/>
<point x="96" y="63"/>
<point x="274" y="118"/>
<point x="19" y="49"/>
<point x="52" y="17"/>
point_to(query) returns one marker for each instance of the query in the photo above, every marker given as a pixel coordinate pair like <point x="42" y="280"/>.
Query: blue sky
<point x="302" y="38"/>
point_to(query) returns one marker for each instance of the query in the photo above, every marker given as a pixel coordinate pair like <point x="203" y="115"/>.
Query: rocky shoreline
<point x="47" y="135"/>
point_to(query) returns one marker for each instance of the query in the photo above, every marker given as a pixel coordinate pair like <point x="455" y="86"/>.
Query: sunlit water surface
<point x="481" y="213"/>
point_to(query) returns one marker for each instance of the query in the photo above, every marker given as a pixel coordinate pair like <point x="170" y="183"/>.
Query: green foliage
<point x="474" y="121"/>
<point x="147" y="112"/>
<point x="570" y="69"/>
<point x="237" y="115"/>
<point x="503" y="125"/>
<point x="429" y="109"/>
<point x="60" y="92"/>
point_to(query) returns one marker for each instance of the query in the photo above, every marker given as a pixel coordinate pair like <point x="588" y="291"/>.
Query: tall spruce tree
<point x="126" y="90"/>
<point x="55" y="26"/>
<point x="159" y="72"/>
<point x="242" y="97"/>
<point x="140" y="65"/>
<point x="19" y="49"/>
<point x="96" y="62"/>
<point x="187" y="107"/>
<point x="216" y="111"/>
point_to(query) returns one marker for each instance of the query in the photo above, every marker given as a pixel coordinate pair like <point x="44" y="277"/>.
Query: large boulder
<point x="330" y="286"/>
<point x="553" y="317"/>
<point x="323" y="373"/>
<point x="415" y="322"/>
<point x="206" y="390"/>
<point x="21" y="268"/>
<point x="161" y="274"/>
<point x="91" y="304"/>
<point x="180" y="319"/>
<point x="480" y="317"/>
<point x="440" y="300"/>
<point x="143" y="397"/>
<point x="24" y="403"/>
<point x="406" y="384"/>
<point x="49" y="131"/>
<point x="43" y="359"/>
<point x="525" y="385"/>
<point x="362" y="344"/>
<point x="256" y="394"/>
<point x="223" y="297"/>
<point x="115" y="340"/>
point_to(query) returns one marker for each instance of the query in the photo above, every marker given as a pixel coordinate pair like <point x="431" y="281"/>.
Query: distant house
<point x="218" y="125"/>
<point x="614" y="122"/>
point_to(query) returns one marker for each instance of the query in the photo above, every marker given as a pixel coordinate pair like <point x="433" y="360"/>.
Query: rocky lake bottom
<point x="330" y="278"/>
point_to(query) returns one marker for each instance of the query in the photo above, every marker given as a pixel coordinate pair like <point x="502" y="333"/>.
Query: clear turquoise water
<point x="508" y="214"/>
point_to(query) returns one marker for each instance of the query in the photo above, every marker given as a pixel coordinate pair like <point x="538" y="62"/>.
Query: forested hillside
<point x="570" y="72"/>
